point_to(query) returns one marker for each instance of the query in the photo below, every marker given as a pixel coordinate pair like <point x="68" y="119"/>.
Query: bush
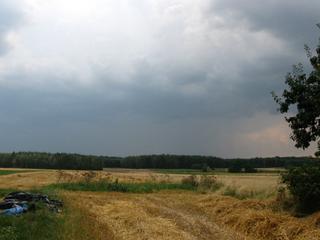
<point x="209" y="183"/>
<point x="304" y="185"/>
<point x="202" y="183"/>
<point x="191" y="180"/>
<point x="89" y="176"/>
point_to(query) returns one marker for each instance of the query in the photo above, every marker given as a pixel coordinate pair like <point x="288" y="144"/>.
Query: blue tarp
<point x="16" y="203"/>
<point x="16" y="210"/>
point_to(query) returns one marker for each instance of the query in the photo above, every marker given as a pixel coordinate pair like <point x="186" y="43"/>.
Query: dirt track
<point x="185" y="215"/>
<point x="151" y="216"/>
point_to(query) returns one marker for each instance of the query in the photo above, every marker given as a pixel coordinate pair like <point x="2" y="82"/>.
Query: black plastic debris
<point x="6" y="205"/>
<point x="16" y="203"/>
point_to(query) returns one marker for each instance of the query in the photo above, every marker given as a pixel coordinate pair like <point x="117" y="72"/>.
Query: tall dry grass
<point x="175" y="214"/>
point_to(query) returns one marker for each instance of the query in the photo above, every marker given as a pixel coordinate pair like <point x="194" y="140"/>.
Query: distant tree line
<point x="201" y="162"/>
<point x="92" y="162"/>
<point x="52" y="161"/>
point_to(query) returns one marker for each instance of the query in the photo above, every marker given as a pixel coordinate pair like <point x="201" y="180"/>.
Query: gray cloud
<point x="193" y="78"/>
<point x="293" y="21"/>
<point x="10" y="17"/>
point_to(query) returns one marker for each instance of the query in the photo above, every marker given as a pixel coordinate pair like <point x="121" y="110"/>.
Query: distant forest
<point x="165" y="161"/>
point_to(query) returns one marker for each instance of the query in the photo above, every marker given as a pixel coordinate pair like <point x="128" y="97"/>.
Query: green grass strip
<point x="7" y="172"/>
<point x="104" y="186"/>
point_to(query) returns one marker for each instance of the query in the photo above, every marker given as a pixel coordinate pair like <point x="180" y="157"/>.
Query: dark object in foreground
<point x="16" y="203"/>
<point x="304" y="185"/>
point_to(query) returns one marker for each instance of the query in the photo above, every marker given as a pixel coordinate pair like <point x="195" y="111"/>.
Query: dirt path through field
<point x="181" y="215"/>
<point x="151" y="216"/>
<point x="196" y="223"/>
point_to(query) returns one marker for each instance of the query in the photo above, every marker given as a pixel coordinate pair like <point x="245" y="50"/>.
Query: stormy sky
<point x="150" y="76"/>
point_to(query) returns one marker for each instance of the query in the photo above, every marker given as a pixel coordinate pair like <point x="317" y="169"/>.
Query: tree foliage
<point x="164" y="161"/>
<point x="304" y="184"/>
<point x="303" y="94"/>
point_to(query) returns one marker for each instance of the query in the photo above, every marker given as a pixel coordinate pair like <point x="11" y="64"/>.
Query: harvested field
<point x="27" y="180"/>
<point x="256" y="219"/>
<point x="260" y="186"/>
<point x="185" y="215"/>
<point x="266" y="184"/>
<point x="136" y="216"/>
<point x="174" y="214"/>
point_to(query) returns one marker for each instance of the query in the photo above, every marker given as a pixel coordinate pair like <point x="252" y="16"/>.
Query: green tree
<point x="303" y="94"/>
<point x="304" y="184"/>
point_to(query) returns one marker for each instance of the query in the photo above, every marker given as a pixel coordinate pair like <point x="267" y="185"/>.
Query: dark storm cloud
<point x="293" y="20"/>
<point x="250" y="87"/>
<point x="147" y="120"/>
<point x="250" y="91"/>
<point x="196" y="86"/>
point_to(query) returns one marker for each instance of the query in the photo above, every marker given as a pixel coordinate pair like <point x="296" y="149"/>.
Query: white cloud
<point x="75" y="39"/>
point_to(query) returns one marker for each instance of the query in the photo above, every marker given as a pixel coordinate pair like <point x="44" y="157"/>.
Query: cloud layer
<point x="170" y="76"/>
<point x="10" y="17"/>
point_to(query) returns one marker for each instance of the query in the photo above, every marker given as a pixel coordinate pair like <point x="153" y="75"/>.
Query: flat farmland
<point x="242" y="207"/>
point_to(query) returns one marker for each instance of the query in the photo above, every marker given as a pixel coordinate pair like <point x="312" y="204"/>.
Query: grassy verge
<point x="4" y="192"/>
<point x="39" y="224"/>
<point x="73" y="223"/>
<point x="107" y="186"/>
<point x="80" y="224"/>
<point x="7" y="172"/>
